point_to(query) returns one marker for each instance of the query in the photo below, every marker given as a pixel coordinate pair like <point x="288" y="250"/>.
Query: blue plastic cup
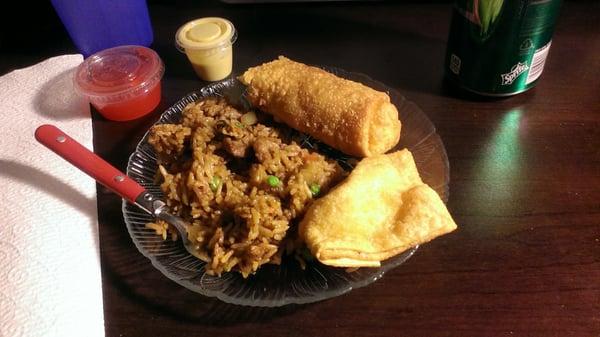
<point x="100" y="24"/>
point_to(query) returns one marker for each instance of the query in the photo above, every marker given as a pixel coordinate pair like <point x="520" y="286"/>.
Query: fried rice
<point x="241" y="181"/>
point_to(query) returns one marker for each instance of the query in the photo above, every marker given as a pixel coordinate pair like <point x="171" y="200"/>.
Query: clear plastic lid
<point x="119" y="73"/>
<point x="205" y="33"/>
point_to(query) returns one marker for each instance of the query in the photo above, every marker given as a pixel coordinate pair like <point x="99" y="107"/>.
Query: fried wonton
<point x="382" y="209"/>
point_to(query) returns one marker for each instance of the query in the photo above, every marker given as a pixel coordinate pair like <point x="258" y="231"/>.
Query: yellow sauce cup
<point x="207" y="42"/>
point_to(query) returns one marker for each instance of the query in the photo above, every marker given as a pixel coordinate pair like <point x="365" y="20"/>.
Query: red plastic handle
<point x="87" y="161"/>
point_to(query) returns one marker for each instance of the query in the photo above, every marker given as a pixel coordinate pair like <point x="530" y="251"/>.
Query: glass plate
<point x="275" y="285"/>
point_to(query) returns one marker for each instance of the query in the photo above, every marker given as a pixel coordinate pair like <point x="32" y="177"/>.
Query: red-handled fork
<point x="106" y="174"/>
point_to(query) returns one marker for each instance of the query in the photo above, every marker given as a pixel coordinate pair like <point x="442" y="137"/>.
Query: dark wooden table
<point x="524" y="190"/>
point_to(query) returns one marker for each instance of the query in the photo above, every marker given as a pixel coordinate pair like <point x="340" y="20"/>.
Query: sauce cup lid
<point x="205" y="33"/>
<point x="119" y="73"/>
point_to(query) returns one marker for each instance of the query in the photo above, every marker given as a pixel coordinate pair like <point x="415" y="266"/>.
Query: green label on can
<point x="499" y="47"/>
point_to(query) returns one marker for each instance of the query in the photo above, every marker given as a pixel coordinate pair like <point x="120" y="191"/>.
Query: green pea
<point x="215" y="183"/>
<point x="315" y="189"/>
<point x="273" y="181"/>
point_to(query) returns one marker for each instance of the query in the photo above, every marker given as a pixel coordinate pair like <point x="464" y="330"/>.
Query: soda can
<point x="499" y="47"/>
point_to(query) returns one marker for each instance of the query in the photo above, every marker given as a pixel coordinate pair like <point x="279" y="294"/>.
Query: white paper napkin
<point x="50" y="281"/>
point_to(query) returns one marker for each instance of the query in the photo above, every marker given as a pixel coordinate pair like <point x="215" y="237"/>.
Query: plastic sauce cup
<point x="207" y="42"/>
<point x="122" y="83"/>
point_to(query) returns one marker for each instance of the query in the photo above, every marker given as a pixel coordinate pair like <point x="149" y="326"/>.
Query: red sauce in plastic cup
<point x="122" y="83"/>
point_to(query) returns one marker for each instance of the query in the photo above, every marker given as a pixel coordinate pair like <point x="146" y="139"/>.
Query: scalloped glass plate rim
<point x="398" y="260"/>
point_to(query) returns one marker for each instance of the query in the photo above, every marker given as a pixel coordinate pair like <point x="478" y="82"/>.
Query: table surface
<point x="524" y="189"/>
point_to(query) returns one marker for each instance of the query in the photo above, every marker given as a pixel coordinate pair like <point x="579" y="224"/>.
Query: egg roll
<point x="380" y="210"/>
<point x="343" y="114"/>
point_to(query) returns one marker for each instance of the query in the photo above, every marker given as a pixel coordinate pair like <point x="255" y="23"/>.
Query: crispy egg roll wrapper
<point x="346" y="115"/>
<point x="380" y="210"/>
